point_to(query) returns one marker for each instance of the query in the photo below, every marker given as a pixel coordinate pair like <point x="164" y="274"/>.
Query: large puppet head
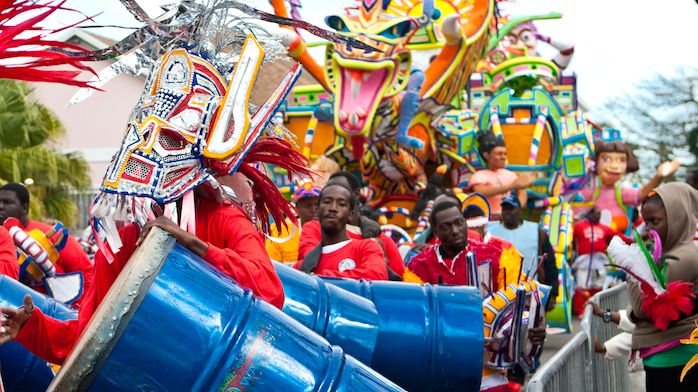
<point x="362" y="81"/>
<point x="524" y="35"/>
<point x="613" y="160"/>
<point x="191" y="125"/>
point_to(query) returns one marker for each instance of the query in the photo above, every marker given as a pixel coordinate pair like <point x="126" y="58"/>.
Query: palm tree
<point x="28" y="136"/>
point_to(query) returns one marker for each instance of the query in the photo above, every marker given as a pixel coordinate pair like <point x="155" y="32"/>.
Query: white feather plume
<point x="631" y="258"/>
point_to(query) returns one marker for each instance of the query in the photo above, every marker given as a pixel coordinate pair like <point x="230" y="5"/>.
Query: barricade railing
<point x="576" y="367"/>
<point x="567" y="370"/>
<point x="607" y="375"/>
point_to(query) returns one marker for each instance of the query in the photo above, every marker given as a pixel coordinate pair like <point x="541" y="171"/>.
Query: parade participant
<point x="8" y="255"/>
<point x="672" y="212"/>
<point x="613" y="160"/>
<point x="14" y="203"/>
<point x="496" y="181"/>
<point x="225" y="238"/>
<point x="428" y="238"/>
<point x="283" y="245"/>
<point x="445" y="262"/>
<point x="476" y="211"/>
<point x="338" y="255"/>
<point x="590" y="241"/>
<point x="189" y="146"/>
<point x="532" y="242"/>
<point x="358" y="227"/>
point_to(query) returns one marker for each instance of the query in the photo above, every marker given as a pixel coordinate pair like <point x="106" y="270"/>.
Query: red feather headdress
<point x="25" y="51"/>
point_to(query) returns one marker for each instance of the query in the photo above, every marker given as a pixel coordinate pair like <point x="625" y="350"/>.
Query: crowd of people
<point x="332" y="238"/>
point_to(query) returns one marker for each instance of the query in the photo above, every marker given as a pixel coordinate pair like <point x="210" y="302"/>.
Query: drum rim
<point x="114" y="313"/>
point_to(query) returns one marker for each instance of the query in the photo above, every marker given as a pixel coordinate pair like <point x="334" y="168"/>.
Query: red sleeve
<point x="393" y="254"/>
<point x="48" y="338"/>
<point x="310" y="238"/>
<point x="53" y="339"/>
<point x="239" y="252"/>
<point x="8" y="255"/>
<point x="73" y="258"/>
<point x="418" y="267"/>
<point x="371" y="265"/>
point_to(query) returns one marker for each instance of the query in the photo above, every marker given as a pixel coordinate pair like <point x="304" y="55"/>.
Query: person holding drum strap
<point x="174" y="178"/>
<point x="225" y="238"/>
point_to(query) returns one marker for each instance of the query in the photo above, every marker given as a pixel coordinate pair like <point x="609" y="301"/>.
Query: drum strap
<point x="311" y="259"/>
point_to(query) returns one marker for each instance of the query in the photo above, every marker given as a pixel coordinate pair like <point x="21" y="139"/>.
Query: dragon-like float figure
<point x="385" y="111"/>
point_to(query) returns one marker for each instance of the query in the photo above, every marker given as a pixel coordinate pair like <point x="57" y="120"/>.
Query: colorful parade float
<point x="382" y="117"/>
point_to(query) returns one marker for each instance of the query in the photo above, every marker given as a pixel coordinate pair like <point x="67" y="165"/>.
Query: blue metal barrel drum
<point x="343" y="318"/>
<point x="430" y="338"/>
<point x="172" y="323"/>
<point x="21" y="370"/>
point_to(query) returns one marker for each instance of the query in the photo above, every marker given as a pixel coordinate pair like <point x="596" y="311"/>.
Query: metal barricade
<point x="576" y="367"/>
<point x="567" y="370"/>
<point x="607" y="375"/>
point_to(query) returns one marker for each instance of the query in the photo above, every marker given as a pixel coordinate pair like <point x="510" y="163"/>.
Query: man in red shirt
<point x="338" y="255"/>
<point x="8" y="255"/>
<point x="445" y="263"/>
<point x="358" y="228"/>
<point x="14" y="203"/>
<point x="590" y="241"/>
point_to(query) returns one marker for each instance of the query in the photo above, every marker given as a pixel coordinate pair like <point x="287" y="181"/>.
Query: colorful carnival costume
<point x="191" y="125"/>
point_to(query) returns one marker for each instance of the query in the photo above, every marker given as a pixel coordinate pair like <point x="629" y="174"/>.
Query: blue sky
<point x="617" y="42"/>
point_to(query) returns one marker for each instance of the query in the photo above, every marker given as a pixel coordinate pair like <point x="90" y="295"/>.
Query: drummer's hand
<point x="186" y="239"/>
<point x="13" y="319"/>
<point x="537" y="335"/>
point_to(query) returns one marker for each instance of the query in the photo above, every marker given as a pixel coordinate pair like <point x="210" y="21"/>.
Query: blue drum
<point x="343" y="318"/>
<point x="430" y="338"/>
<point x="21" y="370"/>
<point x="171" y="322"/>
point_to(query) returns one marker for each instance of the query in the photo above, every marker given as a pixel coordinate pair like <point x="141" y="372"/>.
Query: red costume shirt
<point x="8" y="255"/>
<point x="430" y="267"/>
<point x="602" y="235"/>
<point x="234" y="247"/>
<point x="72" y="259"/>
<point x="311" y="235"/>
<point x="356" y="259"/>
